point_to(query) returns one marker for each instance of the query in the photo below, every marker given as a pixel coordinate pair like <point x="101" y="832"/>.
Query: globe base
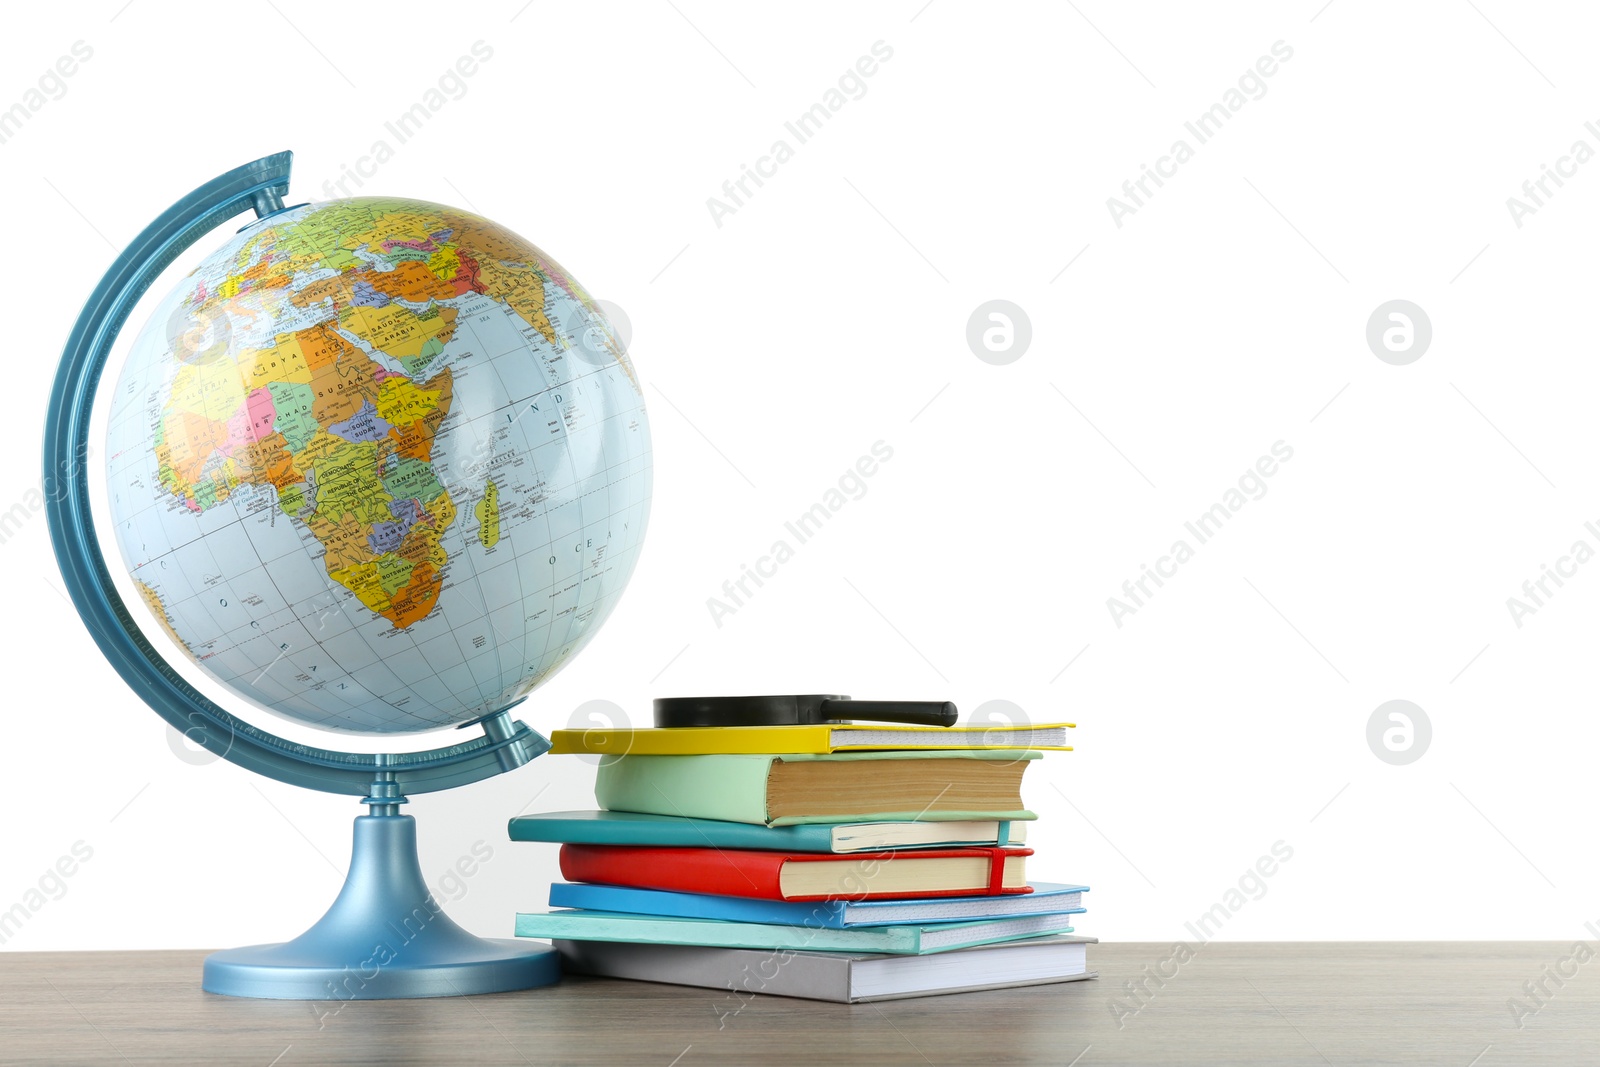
<point x="384" y="938"/>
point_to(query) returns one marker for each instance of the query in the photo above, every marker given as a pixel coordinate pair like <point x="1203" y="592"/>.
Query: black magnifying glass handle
<point x="911" y="712"/>
<point x="798" y="710"/>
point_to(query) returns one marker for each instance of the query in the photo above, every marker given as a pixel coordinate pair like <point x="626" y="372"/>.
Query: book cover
<point x="895" y="940"/>
<point x="733" y="787"/>
<point x="803" y="875"/>
<point x="640" y="828"/>
<point x="815" y="739"/>
<point x="1046" y="899"/>
<point x="840" y="977"/>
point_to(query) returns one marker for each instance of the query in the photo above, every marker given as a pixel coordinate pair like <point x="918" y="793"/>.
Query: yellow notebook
<point x="784" y="740"/>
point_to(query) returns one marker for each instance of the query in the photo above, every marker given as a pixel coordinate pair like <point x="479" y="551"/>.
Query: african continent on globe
<point x="379" y="465"/>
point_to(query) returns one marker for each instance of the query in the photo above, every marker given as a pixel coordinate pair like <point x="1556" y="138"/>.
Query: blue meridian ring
<point x="260" y="185"/>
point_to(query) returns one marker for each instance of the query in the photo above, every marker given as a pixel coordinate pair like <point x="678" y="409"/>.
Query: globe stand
<point x="385" y="937"/>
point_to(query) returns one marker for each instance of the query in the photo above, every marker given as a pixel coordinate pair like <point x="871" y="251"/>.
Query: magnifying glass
<point x="798" y="710"/>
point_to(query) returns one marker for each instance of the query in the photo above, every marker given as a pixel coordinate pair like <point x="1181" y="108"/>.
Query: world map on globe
<point x="379" y="465"/>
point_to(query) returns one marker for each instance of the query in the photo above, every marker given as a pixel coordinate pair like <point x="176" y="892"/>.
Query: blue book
<point x="900" y="940"/>
<point x="676" y="831"/>
<point x="1047" y="898"/>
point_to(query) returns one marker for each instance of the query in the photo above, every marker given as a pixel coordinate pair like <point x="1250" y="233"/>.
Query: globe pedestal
<point x="385" y="937"/>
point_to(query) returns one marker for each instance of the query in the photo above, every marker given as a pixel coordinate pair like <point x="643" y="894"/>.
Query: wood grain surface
<point x="1282" y="1004"/>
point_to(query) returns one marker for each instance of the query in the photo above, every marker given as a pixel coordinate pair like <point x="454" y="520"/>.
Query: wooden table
<point x="1319" y="1003"/>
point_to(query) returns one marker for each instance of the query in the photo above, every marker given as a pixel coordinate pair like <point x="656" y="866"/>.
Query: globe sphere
<point x="379" y="466"/>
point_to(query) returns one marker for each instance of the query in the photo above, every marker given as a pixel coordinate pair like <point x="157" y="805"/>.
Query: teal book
<point x="1047" y="898"/>
<point x="907" y="940"/>
<point x="676" y="831"/>
<point x="960" y="785"/>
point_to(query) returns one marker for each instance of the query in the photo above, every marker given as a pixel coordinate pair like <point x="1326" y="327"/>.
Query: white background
<point x="828" y="313"/>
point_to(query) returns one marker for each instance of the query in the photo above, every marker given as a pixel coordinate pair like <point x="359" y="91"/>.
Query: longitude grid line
<point x="549" y="531"/>
<point x="627" y="470"/>
<point x="299" y="619"/>
<point x="583" y="525"/>
<point x="606" y="466"/>
<point x="465" y="556"/>
<point x="533" y="340"/>
<point x="399" y="716"/>
<point x="566" y="452"/>
<point x="477" y="576"/>
<point x="600" y="597"/>
<point x="288" y="654"/>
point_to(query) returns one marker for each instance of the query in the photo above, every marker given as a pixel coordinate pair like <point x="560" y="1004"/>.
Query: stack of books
<point x="836" y="862"/>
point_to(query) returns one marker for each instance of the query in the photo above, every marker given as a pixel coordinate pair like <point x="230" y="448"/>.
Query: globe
<point x="379" y="465"/>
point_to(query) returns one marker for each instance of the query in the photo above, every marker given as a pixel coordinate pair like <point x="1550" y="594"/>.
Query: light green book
<point x="908" y="940"/>
<point x="787" y="790"/>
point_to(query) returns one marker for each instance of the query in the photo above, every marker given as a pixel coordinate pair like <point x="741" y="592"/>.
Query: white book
<point x="841" y="977"/>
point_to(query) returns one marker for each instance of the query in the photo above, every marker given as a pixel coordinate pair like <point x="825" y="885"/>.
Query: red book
<point x="945" y="872"/>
